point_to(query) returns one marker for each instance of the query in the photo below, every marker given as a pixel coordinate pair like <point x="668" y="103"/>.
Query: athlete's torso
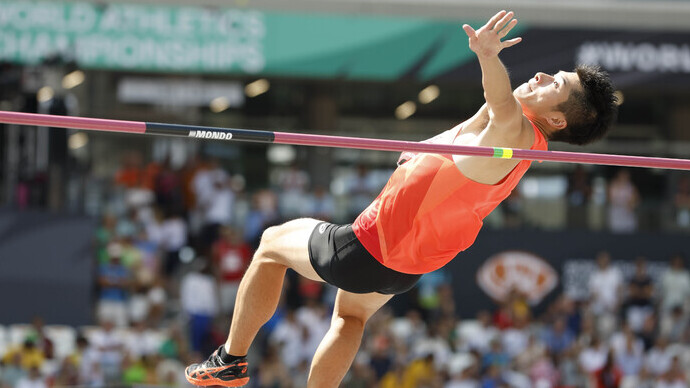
<point x="432" y="207"/>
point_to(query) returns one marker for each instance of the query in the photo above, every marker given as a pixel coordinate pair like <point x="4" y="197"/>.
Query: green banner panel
<point x="136" y="37"/>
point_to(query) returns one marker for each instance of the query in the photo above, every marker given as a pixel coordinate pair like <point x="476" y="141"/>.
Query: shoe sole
<point x="215" y="381"/>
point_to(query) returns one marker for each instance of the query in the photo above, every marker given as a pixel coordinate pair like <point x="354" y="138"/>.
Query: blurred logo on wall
<point x="510" y="271"/>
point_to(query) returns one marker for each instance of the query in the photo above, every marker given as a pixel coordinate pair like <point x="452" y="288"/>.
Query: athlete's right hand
<point x="486" y="41"/>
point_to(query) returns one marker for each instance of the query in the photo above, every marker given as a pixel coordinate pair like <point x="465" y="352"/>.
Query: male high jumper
<point x="430" y="210"/>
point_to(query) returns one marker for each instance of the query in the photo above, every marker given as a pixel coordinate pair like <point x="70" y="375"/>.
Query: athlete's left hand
<point x="486" y="41"/>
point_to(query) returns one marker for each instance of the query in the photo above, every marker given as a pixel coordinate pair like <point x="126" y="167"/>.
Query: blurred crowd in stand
<point x="173" y="245"/>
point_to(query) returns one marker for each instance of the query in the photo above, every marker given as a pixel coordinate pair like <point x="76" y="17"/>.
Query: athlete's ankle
<point x="228" y="358"/>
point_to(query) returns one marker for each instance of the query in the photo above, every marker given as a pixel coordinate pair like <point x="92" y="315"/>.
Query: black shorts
<point x="341" y="260"/>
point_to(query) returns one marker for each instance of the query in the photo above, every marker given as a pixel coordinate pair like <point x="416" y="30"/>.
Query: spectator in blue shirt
<point x="558" y="337"/>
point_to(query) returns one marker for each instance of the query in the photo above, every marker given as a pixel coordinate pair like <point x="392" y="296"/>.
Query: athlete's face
<point x="541" y="95"/>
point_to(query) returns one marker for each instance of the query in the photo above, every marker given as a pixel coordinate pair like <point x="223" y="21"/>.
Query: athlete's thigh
<point x="289" y="244"/>
<point x="362" y="306"/>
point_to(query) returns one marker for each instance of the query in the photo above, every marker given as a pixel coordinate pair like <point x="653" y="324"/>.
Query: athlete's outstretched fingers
<point x="509" y="27"/>
<point x="469" y="31"/>
<point x="490" y="24"/>
<point x="504" y="20"/>
<point x="512" y="42"/>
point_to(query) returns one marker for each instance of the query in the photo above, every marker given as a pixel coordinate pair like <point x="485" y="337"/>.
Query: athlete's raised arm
<point x="486" y="43"/>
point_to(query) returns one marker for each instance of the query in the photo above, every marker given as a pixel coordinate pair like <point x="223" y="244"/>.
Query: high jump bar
<point x="250" y="135"/>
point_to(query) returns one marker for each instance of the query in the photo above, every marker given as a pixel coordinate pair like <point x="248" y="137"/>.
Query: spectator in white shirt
<point x="214" y="200"/>
<point x="605" y="286"/>
<point x="199" y="299"/>
<point x="593" y="357"/>
<point x="658" y="359"/>
<point x="675" y="285"/>
<point x="32" y="380"/>
<point x="287" y="336"/>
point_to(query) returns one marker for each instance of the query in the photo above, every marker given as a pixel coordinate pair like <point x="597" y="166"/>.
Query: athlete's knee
<point x="270" y="234"/>
<point x="350" y="322"/>
<point x="268" y="249"/>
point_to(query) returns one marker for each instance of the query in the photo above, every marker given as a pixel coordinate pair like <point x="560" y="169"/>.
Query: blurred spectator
<point x="649" y="330"/>
<point x="131" y="172"/>
<point x="381" y="358"/>
<point x="623" y="202"/>
<point x="87" y="358"/>
<point x="593" y="357"/>
<point x="110" y="346"/>
<point x="512" y="210"/>
<point x="676" y="377"/>
<point x="12" y="370"/>
<point x="292" y="183"/>
<point x="287" y="336"/>
<point x="408" y="329"/>
<point x="316" y="321"/>
<point x="104" y="235"/>
<point x="493" y="378"/>
<point x="29" y="354"/>
<point x="67" y="375"/>
<point x="395" y="378"/>
<point x="271" y="371"/>
<point x="359" y="376"/>
<point x="496" y="356"/>
<point x="263" y="214"/>
<point x="140" y="341"/>
<point x="361" y="189"/>
<point x="465" y="377"/>
<point x="579" y="192"/>
<point x="167" y="186"/>
<point x="114" y="280"/>
<point x="605" y="288"/>
<point x="300" y="375"/>
<point x="32" y="380"/>
<point x="543" y="372"/>
<point x="420" y="373"/>
<point x="481" y="335"/>
<point x="428" y="290"/>
<point x="558" y="338"/>
<point x="133" y="371"/>
<point x="320" y="204"/>
<point x="433" y="343"/>
<point x="619" y="340"/>
<point x="681" y="200"/>
<point x="170" y="372"/>
<point x="659" y="358"/>
<point x="534" y="350"/>
<point x="638" y="305"/>
<point x="174" y="345"/>
<point x="214" y="201"/>
<point x="170" y="232"/>
<point x="675" y="285"/>
<point x="198" y="296"/>
<point x="515" y="339"/>
<point x="570" y="372"/>
<point x="674" y="324"/>
<point x="43" y="342"/>
<point x="609" y="375"/>
<point x="230" y="257"/>
<point x="503" y="316"/>
<point x="629" y="358"/>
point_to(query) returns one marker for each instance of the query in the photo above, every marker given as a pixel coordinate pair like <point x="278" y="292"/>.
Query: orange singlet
<point x="428" y="212"/>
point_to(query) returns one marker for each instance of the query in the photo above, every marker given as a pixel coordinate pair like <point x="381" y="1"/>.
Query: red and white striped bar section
<point x="233" y="134"/>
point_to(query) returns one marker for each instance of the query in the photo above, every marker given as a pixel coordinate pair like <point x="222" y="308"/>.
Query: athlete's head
<point x="576" y="107"/>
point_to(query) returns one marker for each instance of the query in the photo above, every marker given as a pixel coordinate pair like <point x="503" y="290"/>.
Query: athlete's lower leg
<point x="257" y="299"/>
<point x="336" y="352"/>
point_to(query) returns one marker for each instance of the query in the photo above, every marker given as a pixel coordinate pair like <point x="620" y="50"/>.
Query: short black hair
<point x="590" y="110"/>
